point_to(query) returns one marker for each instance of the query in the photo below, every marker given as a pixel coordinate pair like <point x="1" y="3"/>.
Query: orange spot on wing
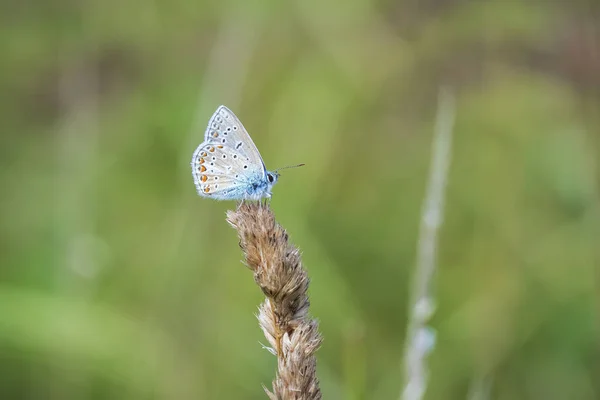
<point x="202" y="168"/>
<point x="203" y="178"/>
<point x="203" y="154"/>
<point x="206" y="189"/>
<point x="215" y="134"/>
<point x="219" y="146"/>
<point x="202" y="161"/>
<point x="212" y="149"/>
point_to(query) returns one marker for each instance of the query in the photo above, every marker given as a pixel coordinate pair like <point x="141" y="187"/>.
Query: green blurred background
<point x="118" y="282"/>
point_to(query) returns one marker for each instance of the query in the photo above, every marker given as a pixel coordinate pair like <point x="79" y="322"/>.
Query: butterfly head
<point x="272" y="177"/>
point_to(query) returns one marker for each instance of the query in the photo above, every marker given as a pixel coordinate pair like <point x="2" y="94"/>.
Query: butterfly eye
<point x="270" y="177"/>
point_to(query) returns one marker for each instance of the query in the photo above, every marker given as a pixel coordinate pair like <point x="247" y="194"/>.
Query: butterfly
<point x="227" y="165"/>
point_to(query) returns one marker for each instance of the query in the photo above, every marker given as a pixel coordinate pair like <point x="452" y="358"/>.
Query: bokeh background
<point x="118" y="282"/>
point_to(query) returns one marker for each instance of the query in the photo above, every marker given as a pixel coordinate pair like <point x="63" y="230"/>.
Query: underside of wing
<point x="225" y="129"/>
<point x="222" y="173"/>
<point x="221" y="187"/>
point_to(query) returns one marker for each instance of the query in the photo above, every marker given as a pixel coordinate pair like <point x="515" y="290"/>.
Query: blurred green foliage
<point x="118" y="282"/>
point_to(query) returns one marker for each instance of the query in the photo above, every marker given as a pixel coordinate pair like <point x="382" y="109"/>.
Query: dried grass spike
<point x="283" y="316"/>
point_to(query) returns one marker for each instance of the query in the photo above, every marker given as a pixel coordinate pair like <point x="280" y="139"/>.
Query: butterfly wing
<point x="222" y="173"/>
<point x="227" y="164"/>
<point x="225" y="129"/>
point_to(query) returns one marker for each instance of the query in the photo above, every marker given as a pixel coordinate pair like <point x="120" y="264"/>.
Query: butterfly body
<point x="227" y="165"/>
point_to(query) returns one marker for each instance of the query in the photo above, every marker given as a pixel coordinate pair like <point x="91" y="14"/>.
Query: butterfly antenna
<point x="289" y="166"/>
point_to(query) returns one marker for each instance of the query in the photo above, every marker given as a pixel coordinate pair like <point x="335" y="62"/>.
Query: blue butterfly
<point x="227" y="165"/>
